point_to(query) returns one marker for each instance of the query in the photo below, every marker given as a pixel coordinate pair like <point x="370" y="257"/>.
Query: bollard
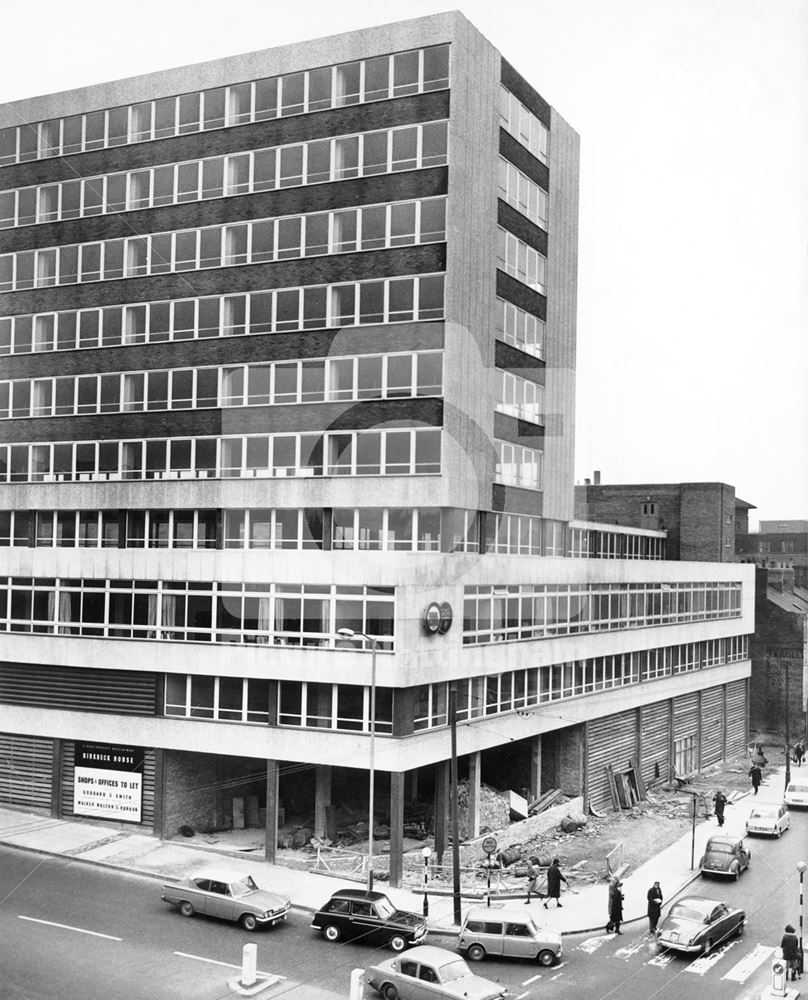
<point x="778" y="987"/>
<point x="357" y="984"/>
<point x="249" y="961"/>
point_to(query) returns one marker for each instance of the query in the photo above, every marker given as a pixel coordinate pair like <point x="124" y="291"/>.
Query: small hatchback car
<point x="427" y="972"/>
<point x="724" y="855"/>
<point x="369" y="916"/>
<point x="498" y="931"/>
<point x="770" y="819"/>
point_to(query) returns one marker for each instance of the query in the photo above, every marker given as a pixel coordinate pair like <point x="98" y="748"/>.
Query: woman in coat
<point x="554" y="880"/>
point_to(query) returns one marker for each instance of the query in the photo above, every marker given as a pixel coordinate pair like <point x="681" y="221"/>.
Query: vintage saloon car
<point x="694" y="924"/>
<point x="230" y="895"/>
<point x="369" y="917"/>
<point x="429" y="973"/>
<point x="771" y="819"/>
<point x="724" y="855"/>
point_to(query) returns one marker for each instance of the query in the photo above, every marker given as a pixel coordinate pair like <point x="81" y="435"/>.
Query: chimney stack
<point x="597" y="477"/>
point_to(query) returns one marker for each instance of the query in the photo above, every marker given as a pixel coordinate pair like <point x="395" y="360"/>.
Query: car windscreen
<point x="682" y="912"/>
<point x="384" y="908"/>
<point x="453" y="971"/>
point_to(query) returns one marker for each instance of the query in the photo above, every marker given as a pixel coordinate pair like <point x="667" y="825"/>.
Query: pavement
<point x="583" y="908"/>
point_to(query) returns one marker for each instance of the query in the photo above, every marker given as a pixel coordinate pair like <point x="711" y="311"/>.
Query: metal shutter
<point x="610" y="740"/>
<point x="737" y="709"/>
<point x="712" y="725"/>
<point x="26" y="771"/>
<point x="122" y="692"/>
<point x="655" y="737"/>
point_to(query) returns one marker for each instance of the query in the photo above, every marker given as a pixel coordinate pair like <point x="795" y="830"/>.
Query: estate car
<point x="498" y="931"/>
<point x="797" y="793"/>
<point x="771" y="819"/>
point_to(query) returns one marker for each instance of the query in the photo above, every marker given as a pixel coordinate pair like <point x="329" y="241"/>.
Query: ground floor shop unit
<point x="172" y="791"/>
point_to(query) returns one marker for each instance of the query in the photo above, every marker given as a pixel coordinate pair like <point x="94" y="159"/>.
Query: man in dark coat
<point x="615" y="907"/>
<point x="719" y="801"/>
<point x="799" y="753"/>
<point x="790" y="946"/>
<point x="755" y="774"/>
<point x="554" y="880"/>
<point x="654" y="906"/>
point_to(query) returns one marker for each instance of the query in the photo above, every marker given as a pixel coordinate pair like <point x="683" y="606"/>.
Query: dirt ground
<point x="638" y="834"/>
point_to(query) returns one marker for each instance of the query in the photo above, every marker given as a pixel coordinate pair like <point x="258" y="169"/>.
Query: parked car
<point x="231" y="895"/>
<point x="769" y="819"/>
<point x="724" y="855"/>
<point x="496" y="930"/>
<point x="694" y="924"/>
<point x="797" y="793"/>
<point x="429" y="973"/>
<point x="358" y="913"/>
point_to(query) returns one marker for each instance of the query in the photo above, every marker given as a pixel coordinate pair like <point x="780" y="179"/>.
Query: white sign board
<point x="108" y="782"/>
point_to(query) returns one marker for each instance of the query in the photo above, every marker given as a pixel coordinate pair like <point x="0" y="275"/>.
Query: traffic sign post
<point x="489" y="845"/>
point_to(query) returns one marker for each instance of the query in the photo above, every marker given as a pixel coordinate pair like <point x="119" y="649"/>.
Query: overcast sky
<point x="693" y="117"/>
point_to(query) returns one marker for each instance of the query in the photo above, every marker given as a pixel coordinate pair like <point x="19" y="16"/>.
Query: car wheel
<point x="476" y="952"/>
<point x="331" y="932"/>
<point x="546" y="957"/>
<point x="248" y="922"/>
<point x="186" y="909"/>
<point x="736" y="872"/>
<point x="397" y="943"/>
<point x="708" y="946"/>
<point x="389" y="992"/>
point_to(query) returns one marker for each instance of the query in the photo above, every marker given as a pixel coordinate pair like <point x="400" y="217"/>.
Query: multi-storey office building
<point x="288" y="347"/>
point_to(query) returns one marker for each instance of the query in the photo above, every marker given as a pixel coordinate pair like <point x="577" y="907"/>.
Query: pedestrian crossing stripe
<point x="742" y="970"/>
<point x="706" y="962"/>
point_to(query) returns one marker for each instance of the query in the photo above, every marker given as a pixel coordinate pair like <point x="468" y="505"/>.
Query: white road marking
<point x="706" y="962"/>
<point x="742" y="970"/>
<point x="67" y="927"/>
<point x="661" y="960"/>
<point x="532" y="979"/>
<point x="227" y="965"/>
<point x="593" y="943"/>
<point x="631" y="949"/>
<point x="520" y="996"/>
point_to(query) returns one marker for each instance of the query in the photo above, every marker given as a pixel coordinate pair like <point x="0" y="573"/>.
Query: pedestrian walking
<point x="756" y="775"/>
<point x="790" y="946"/>
<point x="554" y="880"/>
<point x="654" y="906"/>
<point x="615" y="907"/>
<point x="533" y="876"/>
<point x="799" y="753"/>
<point x="719" y="801"/>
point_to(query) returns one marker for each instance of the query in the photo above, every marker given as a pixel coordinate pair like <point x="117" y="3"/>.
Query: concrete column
<point x="534" y="791"/>
<point x="396" y="828"/>
<point x="159" y="793"/>
<point x="474" y="795"/>
<point x="441" y="807"/>
<point x="322" y="797"/>
<point x="271" y="834"/>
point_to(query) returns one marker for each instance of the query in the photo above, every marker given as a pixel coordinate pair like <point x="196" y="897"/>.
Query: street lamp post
<point x="349" y="633"/>
<point x="801" y="866"/>
<point x="426" y="853"/>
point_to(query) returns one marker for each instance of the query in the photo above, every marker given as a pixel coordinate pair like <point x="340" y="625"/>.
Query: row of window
<point x="517" y="465"/>
<point x="274" y="311"/>
<point x="373" y="376"/>
<point x="520" y="397"/>
<point x="364" y="80"/>
<point x="399" y="452"/>
<point x="524" y="194"/>
<point x="249" y="613"/>
<point x="522" y="124"/>
<point x="346" y="707"/>
<point x="495" y="614"/>
<point x="588" y="543"/>
<point x="515" y="326"/>
<point x="521" y="261"/>
<point x="362" y="155"/>
<point x="392" y="529"/>
<point x="372" y="227"/>
<point x="518" y="690"/>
